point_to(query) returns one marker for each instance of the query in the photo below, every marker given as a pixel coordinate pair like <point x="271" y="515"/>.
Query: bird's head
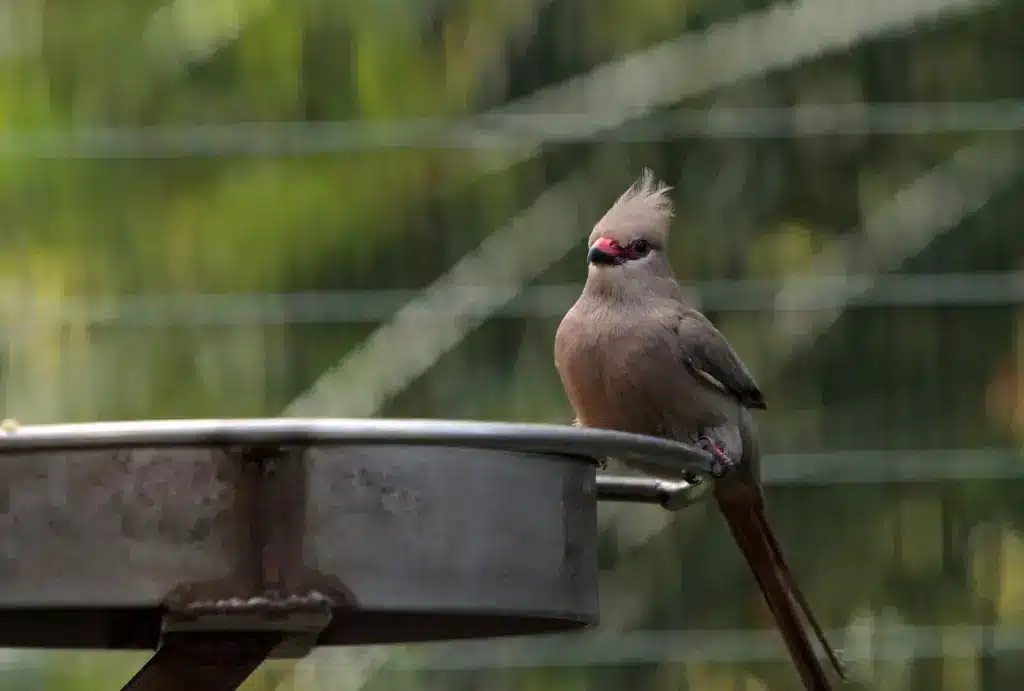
<point x="608" y="250"/>
<point x="630" y="239"/>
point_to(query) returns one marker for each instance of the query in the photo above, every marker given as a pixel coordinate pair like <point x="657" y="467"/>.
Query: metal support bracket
<point x="672" y="496"/>
<point x="215" y="634"/>
<point x="295" y="614"/>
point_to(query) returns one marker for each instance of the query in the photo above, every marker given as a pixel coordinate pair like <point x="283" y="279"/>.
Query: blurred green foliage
<point x="105" y="224"/>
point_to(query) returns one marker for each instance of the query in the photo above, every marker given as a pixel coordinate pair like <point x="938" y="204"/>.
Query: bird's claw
<point x="721" y="463"/>
<point x="691" y="478"/>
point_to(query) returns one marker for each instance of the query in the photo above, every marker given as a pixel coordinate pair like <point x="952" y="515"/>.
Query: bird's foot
<point x="722" y="463"/>
<point x="691" y="478"/>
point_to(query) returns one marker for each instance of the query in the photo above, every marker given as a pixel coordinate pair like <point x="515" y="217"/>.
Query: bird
<point x="633" y="357"/>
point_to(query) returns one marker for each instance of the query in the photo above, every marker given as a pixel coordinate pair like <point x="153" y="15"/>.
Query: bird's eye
<point x="641" y="247"/>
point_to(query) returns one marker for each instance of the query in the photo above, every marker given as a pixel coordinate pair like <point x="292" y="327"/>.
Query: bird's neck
<point x="630" y="290"/>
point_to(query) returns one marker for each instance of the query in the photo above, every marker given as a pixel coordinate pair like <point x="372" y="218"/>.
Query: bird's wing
<point x="708" y="354"/>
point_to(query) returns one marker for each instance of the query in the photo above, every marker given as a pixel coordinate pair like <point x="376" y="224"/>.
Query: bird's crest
<point x="645" y="206"/>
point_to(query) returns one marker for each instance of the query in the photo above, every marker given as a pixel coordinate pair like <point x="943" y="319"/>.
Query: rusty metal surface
<point x="223" y="543"/>
<point x="506" y="534"/>
<point x="114" y="529"/>
<point x="373" y="530"/>
<point x="113" y="533"/>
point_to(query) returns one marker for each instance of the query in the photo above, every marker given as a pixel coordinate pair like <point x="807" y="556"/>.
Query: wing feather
<point x="708" y="354"/>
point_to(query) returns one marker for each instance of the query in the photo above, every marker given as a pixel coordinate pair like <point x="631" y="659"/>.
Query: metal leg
<point x="204" y="661"/>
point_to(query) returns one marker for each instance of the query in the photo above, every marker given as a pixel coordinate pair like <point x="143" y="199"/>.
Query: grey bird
<point x="633" y="357"/>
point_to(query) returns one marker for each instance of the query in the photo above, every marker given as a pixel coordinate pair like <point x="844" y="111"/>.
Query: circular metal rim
<point x="559" y="440"/>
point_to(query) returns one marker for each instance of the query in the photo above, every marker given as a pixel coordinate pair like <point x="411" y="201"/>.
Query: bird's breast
<point x="617" y="375"/>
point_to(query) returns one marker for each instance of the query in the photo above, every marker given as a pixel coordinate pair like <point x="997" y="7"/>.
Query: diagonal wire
<point x="814" y="292"/>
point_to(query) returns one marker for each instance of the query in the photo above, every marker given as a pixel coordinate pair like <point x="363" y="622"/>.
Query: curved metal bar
<point x="644" y="490"/>
<point x="526" y="438"/>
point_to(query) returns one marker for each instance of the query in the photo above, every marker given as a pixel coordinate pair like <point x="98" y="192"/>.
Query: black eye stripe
<point x="641" y="247"/>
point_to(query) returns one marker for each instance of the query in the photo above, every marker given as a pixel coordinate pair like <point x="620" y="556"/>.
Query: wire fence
<point x="870" y="644"/>
<point x="533" y="302"/>
<point x="501" y="130"/>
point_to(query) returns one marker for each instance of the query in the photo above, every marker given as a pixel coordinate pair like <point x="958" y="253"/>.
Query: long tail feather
<point x="798" y="595"/>
<point x="740" y="507"/>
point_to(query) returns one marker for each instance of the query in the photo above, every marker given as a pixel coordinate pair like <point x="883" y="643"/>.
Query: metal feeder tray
<point x="221" y="543"/>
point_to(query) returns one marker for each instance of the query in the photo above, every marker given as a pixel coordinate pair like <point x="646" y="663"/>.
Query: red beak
<point x="604" y="251"/>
